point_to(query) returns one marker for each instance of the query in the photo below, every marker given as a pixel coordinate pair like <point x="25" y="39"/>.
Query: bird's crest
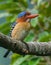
<point x="21" y="14"/>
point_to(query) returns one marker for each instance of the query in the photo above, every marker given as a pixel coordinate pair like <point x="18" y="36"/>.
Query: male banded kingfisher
<point x="21" y="27"/>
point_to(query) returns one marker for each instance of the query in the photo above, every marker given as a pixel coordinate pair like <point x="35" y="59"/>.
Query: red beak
<point x="32" y="16"/>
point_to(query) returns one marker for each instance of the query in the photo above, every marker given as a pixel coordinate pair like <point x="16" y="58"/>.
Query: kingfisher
<point x="21" y="27"/>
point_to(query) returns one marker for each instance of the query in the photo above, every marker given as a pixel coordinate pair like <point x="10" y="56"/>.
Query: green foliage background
<point x="41" y="24"/>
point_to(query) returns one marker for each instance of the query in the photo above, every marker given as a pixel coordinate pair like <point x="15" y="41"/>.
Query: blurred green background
<point x="9" y="9"/>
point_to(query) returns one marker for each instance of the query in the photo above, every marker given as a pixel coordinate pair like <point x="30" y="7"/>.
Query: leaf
<point x="39" y="2"/>
<point x="9" y="5"/>
<point x="5" y="0"/>
<point x="6" y="30"/>
<point x="14" y="57"/>
<point x="4" y="14"/>
<point x="34" y="62"/>
<point x="4" y="25"/>
<point x="44" y="37"/>
<point x="29" y="37"/>
<point x="34" y="21"/>
<point x="15" y="11"/>
<point x="20" y="60"/>
<point x="23" y="2"/>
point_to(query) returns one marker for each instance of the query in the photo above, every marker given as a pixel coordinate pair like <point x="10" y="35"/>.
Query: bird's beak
<point x="32" y="16"/>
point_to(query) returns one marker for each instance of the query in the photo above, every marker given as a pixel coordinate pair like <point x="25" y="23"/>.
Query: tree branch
<point x="31" y="48"/>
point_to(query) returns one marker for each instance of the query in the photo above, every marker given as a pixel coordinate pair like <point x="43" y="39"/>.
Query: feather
<point x="21" y="14"/>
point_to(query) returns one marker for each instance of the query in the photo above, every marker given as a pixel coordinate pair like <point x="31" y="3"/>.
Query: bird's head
<point x="25" y="16"/>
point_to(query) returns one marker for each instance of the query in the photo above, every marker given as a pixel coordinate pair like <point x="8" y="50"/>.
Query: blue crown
<point x="21" y="14"/>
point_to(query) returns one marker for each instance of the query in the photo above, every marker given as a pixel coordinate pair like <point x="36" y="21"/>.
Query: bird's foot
<point x="26" y="50"/>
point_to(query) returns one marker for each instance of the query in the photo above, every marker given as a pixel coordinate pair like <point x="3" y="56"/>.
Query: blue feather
<point x="21" y="14"/>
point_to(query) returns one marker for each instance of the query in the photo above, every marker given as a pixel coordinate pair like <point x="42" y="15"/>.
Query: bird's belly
<point x="20" y="31"/>
<point x="20" y="34"/>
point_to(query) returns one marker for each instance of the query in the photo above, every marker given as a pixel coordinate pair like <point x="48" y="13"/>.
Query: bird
<point x="21" y="27"/>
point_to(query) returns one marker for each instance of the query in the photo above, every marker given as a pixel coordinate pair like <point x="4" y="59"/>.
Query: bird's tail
<point x="6" y="54"/>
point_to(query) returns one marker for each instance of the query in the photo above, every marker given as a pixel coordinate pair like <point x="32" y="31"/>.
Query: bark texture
<point x="31" y="48"/>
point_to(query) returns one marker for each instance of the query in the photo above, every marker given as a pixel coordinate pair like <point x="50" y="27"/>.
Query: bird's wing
<point x="12" y="27"/>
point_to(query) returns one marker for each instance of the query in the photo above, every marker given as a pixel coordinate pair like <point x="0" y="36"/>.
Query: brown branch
<point x="31" y="48"/>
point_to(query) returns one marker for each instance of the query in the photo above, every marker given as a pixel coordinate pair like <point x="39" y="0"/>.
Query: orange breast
<point x="21" y="30"/>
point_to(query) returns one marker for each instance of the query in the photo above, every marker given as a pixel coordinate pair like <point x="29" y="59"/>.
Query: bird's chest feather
<point x="20" y="30"/>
